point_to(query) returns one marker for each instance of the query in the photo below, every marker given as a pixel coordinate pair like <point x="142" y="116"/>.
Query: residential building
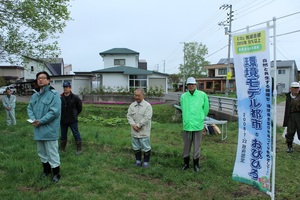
<point x="287" y="72"/>
<point x="122" y="68"/>
<point x="215" y="80"/>
<point x="11" y="73"/>
<point x="32" y="66"/>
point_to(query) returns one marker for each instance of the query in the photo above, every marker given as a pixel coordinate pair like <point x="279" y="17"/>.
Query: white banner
<point x="253" y="162"/>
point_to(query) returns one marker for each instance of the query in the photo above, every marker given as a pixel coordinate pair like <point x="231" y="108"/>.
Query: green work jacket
<point x="194" y="110"/>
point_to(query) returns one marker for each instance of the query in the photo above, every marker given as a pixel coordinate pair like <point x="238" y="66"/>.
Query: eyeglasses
<point x="42" y="77"/>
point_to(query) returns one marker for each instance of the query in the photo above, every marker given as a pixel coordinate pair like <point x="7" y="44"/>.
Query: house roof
<point x="53" y="64"/>
<point x="125" y="70"/>
<point x="11" y="67"/>
<point x="283" y="63"/>
<point x="116" y="51"/>
<point x="224" y="61"/>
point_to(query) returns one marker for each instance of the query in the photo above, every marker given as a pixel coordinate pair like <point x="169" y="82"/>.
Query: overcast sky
<point x="157" y="29"/>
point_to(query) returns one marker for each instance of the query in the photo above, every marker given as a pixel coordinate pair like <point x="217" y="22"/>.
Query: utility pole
<point x="183" y="80"/>
<point x="228" y="32"/>
<point x="164" y="66"/>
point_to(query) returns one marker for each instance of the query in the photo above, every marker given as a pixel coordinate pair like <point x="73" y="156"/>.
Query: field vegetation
<point x="104" y="170"/>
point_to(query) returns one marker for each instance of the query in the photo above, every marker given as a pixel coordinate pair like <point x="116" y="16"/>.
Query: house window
<point x="281" y="71"/>
<point x="119" y="62"/>
<point x="138" y="81"/>
<point x="222" y="71"/>
<point x="201" y="86"/>
<point x="32" y="68"/>
<point x="231" y="84"/>
<point x="57" y="81"/>
<point x="208" y="85"/>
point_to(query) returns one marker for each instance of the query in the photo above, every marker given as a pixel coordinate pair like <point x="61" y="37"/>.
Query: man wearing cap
<point x="9" y="103"/>
<point x="292" y="115"/>
<point x="71" y="107"/>
<point x="195" y="106"/>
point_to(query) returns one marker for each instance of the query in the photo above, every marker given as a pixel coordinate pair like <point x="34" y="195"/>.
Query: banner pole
<point x="275" y="110"/>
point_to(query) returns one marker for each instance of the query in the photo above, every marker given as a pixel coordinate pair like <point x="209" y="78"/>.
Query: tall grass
<point x="105" y="168"/>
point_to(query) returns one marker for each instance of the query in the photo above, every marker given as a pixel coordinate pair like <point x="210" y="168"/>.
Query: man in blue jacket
<point x="44" y="111"/>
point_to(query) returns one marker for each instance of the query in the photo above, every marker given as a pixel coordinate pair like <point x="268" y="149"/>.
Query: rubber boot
<point x="78" y="147"/>
<point x="46" y="169"/>
<point x="63" y="144"/>
<point x="290" y="148"/>
<point x="186" y="164"/>
<point x="138" y="158"/>
<point x="146" y="159"/>
<point x="196" y="165"/>
<point x="56" y="175"/>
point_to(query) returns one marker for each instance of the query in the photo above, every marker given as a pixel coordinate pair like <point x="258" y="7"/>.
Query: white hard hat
<point x="295" y="84"/>
<point x="191" y="80"/>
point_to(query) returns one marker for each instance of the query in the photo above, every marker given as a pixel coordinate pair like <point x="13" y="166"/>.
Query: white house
<point x="287" y="72"/>
<point x="123" y="69"/>
<point x="32" y="66"/>
<point x="55" y="68"/>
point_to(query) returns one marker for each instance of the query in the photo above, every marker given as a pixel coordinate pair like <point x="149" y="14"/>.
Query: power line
<point x="267" y="21"/>
<point x="216" y="51"/>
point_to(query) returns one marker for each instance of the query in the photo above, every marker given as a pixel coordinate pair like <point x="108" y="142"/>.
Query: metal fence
<point x="223" y="104"/>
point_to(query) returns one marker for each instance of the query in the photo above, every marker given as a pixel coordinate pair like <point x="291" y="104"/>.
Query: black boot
<point x="146" y="159"/>
<point x="138" y="158"/>
<point x="47" y="169"/>
<point x="56" y="174"/>
<point x="186" y="164"/>
<point x="290" y="148"/>
<point x="78" y="147"/>
<point x="196" y="165"/>
<point x="63" y="144"/>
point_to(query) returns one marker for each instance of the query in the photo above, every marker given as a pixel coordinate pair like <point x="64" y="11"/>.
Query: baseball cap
<point x="67" y="84"/>
<point x="295" y="84"/>
<point x="191" y="80"/>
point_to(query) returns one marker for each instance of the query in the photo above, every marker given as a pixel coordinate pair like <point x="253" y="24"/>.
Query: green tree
<point x="2" y="81"/>
<point x="30" y="28"/>
<point x="173" y="78"/>
<point x="194" y="54"/>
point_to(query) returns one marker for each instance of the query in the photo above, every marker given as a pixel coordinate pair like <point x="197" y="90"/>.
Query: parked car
<point x="3" y="88"/>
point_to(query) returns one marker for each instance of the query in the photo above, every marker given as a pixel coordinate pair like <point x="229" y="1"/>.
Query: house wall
<point x="37" y="67"/>
<point x="159" y="81"/>
<point x="78" y="83"/>
<point x="67" y="69"/>
<point x="114" y="80"/>
<point x="284" y="80"/>
<point x="12" y="74"/>
<point x="131" y="60"/>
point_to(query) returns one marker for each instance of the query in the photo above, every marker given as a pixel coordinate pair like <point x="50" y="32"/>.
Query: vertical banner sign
<point x="253" y="162"/>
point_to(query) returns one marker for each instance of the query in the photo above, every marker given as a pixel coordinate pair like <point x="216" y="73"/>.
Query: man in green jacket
<point x="195" y="106"/>
<point x="44" y="112"/>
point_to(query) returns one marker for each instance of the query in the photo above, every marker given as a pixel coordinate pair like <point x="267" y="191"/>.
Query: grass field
<point x="105" y="168"/>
